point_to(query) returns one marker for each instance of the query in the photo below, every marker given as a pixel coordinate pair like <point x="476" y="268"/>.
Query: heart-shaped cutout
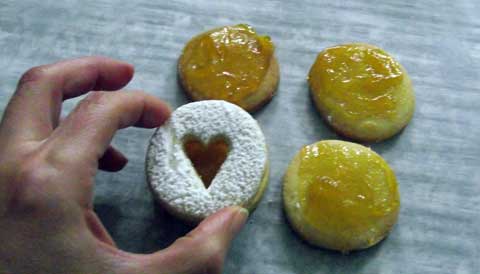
<point x="206" y="159"/>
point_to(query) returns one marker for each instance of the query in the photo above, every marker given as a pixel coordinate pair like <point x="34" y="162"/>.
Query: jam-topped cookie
<point x="231" y="63"/>
<point x="361" y="91"/>
<point x="340" y="195"/>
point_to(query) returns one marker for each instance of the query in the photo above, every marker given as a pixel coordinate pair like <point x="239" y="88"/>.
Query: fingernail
<point x="240" y="219"/>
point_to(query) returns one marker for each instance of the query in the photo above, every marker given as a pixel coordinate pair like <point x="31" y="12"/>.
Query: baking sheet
<point x="436" y="159"/>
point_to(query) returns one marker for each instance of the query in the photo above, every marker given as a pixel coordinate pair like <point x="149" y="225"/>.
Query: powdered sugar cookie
<point x="200" y="138"/>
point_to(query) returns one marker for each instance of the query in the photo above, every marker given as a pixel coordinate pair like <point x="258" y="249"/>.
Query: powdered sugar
<point x="173" y="178"/>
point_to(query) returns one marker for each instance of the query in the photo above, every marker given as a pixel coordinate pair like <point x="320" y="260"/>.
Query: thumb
<point x="202" y="250"/>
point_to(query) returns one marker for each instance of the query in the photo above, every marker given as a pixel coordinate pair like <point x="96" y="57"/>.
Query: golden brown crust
<point x="252" y="204"/>
<point x="267" y="88"/>
<point x="261" y="97"/>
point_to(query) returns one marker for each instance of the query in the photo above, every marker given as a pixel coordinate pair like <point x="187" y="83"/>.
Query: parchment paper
<point x="436" y="159"/>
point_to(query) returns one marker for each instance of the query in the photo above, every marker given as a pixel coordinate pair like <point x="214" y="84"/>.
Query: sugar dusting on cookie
<point x="174" y="180"/>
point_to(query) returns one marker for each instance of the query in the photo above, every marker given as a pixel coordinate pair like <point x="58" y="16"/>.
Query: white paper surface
<point x="436" y="159"/>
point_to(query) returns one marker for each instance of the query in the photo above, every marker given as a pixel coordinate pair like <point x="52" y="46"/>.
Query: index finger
<point x="88" y="130"/>
<point x="35" y="107"/>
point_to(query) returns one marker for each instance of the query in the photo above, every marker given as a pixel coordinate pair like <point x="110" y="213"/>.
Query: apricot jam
<point x="357" y="80"/>
<point x="206" y="159"/>
<point x="346" y="190"/>
<point x="227" y="63"/>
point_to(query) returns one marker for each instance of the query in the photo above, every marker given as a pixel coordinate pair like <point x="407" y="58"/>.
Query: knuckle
<point x="96" y="59"/>
<point x="97" y="98"/>
<point x="86" y="112"/>
<point x="99" y="101"/>
<point x="92" y="104"/>
<point x="34" y="74"/>
<point x="102" y="104"/>
<point x="31" y="188"/>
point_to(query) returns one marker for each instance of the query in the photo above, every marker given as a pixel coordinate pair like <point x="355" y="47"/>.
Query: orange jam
<point x="345" y="190"/>
<point x="207" y="159"/>
<point x="356" y="80"/>
<point x="228" y="63"/>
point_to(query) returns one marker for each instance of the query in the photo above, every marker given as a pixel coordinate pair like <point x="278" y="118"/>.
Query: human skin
<point x="47" y="169"/>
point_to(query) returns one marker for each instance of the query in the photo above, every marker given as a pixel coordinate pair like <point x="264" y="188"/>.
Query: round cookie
<point x="361" y="91"/>
<point x="340" y="195"/>
<point x="230" y="63"/>
<point x="200" y="138"/>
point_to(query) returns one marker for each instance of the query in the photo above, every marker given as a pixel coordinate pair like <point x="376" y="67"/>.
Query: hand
<point x="47" y="169"/>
